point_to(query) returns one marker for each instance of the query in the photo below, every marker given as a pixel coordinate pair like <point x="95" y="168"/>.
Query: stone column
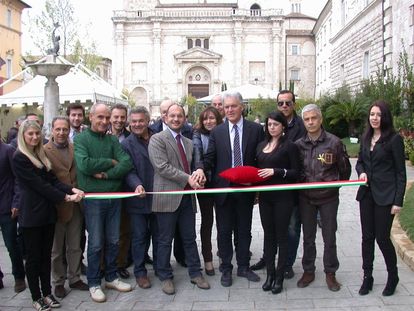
<point x="237" y="47"/>
<point x="118" y="63"/>
<point x="156" y="38"/>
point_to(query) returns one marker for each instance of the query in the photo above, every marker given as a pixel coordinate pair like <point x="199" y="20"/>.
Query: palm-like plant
<point x="351" y="112"/>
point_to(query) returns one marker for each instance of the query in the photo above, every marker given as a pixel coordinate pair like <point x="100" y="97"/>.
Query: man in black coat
<point x="232" y="144"/>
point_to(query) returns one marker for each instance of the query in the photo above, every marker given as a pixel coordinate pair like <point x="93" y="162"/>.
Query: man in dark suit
<point x="187" y="131"/>
<point x="171" y="156"/>
<point x="232" y="144"/>
<point x="139" y="180"/>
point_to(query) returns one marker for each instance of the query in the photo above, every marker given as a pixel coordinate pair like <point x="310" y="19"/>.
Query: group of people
<point x="44" y="184"/>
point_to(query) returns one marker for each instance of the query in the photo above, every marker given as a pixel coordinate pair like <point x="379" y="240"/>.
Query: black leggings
<point x="275" y="218"/>
<point x="38" y="242"/>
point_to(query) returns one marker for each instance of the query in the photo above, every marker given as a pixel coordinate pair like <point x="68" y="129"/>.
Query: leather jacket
<point x="325" y="159"/>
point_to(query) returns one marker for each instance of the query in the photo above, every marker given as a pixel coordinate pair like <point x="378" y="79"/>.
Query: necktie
<point x="182" y="154"/>
<point x="236" y="147"/>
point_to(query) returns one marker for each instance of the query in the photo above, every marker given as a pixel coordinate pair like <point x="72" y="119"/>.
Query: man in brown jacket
<point x="66" y="243"/>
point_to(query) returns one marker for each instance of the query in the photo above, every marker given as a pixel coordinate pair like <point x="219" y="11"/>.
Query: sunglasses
<point x="288" y="103"/>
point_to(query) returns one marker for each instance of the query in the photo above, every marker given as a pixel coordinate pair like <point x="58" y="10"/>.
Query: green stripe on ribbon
<point x="283" y="187"/>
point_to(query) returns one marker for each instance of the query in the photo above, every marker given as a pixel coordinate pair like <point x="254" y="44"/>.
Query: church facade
<point x="167" y="48"/>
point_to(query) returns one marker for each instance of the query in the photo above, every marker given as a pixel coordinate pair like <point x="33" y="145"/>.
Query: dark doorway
<point x="198" y="90"/>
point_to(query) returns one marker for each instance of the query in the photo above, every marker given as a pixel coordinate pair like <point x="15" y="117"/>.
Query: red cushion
<point x="242" y="175"/>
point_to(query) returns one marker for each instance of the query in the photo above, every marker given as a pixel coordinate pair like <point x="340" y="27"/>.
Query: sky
<point x="98" y="13"/>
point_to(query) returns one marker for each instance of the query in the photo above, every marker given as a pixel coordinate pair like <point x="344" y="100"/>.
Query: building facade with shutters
<point x="175" y="48"/>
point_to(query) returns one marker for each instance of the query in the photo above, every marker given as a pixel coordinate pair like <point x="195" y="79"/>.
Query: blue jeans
<point x="143" y="227"/>
<point x="293" y="236"/>
<point x="102" y="218"/>
<point x="9" y="231"/>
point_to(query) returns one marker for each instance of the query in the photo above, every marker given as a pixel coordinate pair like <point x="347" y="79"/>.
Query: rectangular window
<point x="411" y="18"/>
<point x="343" y="13"/>
<point x="295" y="49"/>
<point x="9" y="18"/>
<point x="9" y="69"/>
<point x="342" y="73"/>
<point x="139" y="72"/>
<point x="365" y="66"/>
<point x="294" y="75"/>
<point x="257" y="72"/>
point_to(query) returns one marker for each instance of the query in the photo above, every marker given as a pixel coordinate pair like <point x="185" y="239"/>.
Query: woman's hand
<point x="395" y="210"/>
<point x="266" y="172"/>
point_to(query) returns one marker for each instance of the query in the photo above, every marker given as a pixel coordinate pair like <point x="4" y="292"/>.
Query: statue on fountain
<point x="55" y="40"/>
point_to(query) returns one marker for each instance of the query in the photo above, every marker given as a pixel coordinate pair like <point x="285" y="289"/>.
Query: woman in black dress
<point x="381" y="162"/>
<point x="40" y="190"/>
<point x="277" y="158"/>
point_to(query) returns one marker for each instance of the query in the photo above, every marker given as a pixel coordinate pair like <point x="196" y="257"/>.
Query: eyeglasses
<point x="288" y="103"/>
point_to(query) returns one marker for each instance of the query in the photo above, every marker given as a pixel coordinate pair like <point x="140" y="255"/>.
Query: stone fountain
<point x="51" y="69"/>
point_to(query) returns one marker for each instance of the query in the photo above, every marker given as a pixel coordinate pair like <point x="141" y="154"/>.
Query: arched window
<point x="189" y="43"/>
<point x="198" y="42"/>
<point x="255" y="10"/>
<point x="206" y="44"/>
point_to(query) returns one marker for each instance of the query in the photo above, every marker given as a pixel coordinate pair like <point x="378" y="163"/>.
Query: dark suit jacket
<point x="385" y="169"/>
<point x="219" y="155"/>
<point x="40" y="190"/>
<point x="65" y="171"/>
<point x="186" y="131"/>
<point x="142" y="174"/>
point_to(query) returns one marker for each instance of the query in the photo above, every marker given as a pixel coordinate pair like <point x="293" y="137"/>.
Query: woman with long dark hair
<point x="209" y="118"/>
<point x="277" y="158"/>
<point x="381" y="163"/>
<point x="40" y="190"/>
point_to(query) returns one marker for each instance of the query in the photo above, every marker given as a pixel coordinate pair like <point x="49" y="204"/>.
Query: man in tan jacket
<point x="66" y="243"/>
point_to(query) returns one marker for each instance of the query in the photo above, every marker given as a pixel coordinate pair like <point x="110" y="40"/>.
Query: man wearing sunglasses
<point x="286" y="105"/>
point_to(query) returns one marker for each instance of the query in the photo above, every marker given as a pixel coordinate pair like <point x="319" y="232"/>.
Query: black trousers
<point x="206" y="202"/>
<point x="376" y="222"/>
<point x="38" y="242"/>
<point x="236" y="210"/>
<point x="275" y="217"/>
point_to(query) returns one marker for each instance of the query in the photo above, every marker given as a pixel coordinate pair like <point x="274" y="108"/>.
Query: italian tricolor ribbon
<point x="280" y="187"/>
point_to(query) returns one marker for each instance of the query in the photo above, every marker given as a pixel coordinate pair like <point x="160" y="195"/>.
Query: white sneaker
<point x="119" y="285"/>
<point x="97" y="294"/>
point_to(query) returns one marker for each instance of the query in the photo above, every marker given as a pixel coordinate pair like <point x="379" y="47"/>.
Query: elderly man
<point x="324" y="159"/>
<point x="9" y="199"/>
<point x="232" y="144"/>
<point x="101" y="166"/>
<point x="217" y="103"/>
<point x="286" y="105"/>
<point x="139" y="180"/>
<point x="66" y="241"/>
<point x="186" y="131"/>
<point x="171" y="156"/>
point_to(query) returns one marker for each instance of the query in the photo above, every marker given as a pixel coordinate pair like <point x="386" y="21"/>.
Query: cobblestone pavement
<point x="244" y="295"/>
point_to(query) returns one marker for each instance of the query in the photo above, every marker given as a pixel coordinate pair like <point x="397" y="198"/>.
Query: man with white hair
<point x="324" y="159"/>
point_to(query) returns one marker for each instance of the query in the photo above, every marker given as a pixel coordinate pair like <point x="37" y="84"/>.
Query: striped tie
<point x="236" y="147"/>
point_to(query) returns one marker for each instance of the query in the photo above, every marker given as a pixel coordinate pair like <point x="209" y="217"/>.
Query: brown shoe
<point x="332" y="283"/>
<point x="143" y="282"/>
<point x="79" y="285"/>
<point x="168" y="287"/>
<point x="60" y="291"/>
<point x="306" y="279"/>
<point x="19" y="285"/>
<point x="201" y="282"/>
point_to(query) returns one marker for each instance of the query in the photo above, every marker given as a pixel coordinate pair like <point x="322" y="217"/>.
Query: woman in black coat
<point x="381" y="162"/>
<point x="40" y="190"/>
<point x="277" y="158"/>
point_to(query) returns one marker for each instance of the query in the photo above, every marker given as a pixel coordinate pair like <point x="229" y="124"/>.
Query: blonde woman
<point x="40" y="190"/>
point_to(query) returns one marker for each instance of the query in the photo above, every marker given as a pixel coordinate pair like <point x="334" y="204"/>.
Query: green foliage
<point x="223" y="86"/>
<point x="261" y="106"/>
<point x="406" y="216"/>
<point x="193" y="108"/>
<point x="352" y="149"/>
<point x="411" y="158"/>
<point x="127" y="95"/>
<point x="86" y="55"/>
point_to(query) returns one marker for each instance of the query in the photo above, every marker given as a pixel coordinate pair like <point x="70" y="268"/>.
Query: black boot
<point x="278" y="284"/>
<point x="270" y="279"/>
<point x="392" y="282"/>
<point x="366" y="284"/>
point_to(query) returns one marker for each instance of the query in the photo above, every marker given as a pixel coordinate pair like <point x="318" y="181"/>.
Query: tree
<point x="351" y="112"/>
<point x="128" y="96"/>
<point x="56" y="11"/>
<point x="261" y="106"/>
<point x="86" y="55"/>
